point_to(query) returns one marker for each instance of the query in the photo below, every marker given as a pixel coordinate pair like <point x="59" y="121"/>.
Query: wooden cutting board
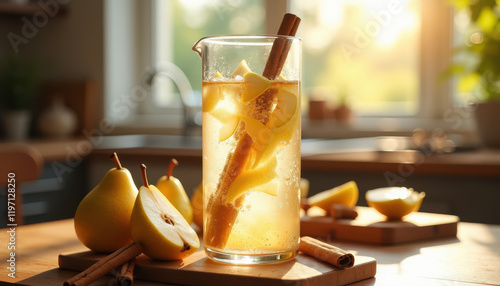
<point x="199" y="270"/>
<point x="372" y="227"/>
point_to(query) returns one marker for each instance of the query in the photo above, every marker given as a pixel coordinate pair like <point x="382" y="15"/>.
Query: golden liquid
<point x="265" y="223"/>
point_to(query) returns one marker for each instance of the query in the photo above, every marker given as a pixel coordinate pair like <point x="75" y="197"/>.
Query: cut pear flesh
<point x="228" y="128"/>
<point x="217" y="76"/>
<point x="395" y="202"/>
<point x="242" y="69"/>
<point x="253" y="178"/>
<point x="254" y="85"/>
<point x="161" y="229"/>
<point x="346" y="194"/>
<point x="278" y="136"/>
<point x="211" y="97"/>
<point x="284" y="110"/>
<point x="211" y="94"/>
<point x="260" y="133"/>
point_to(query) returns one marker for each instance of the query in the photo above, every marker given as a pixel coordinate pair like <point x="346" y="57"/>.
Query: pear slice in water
<point x="253" y="178"/>
<point x="253" y="86"/>
<point x="284" y="110"/>
<point x="228" y="128"/>
<point x="211" y="94"/>
<point x="241" y="70"/>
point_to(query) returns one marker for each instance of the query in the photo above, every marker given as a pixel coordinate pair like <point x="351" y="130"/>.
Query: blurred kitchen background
<point x="395" y="93"/>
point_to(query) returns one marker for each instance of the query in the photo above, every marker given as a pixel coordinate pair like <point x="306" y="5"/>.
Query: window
<point x="384" y="57"/>
<point x="149" y="36"/>
<point x="362" y="51"/>
<point x="182" y="22"/>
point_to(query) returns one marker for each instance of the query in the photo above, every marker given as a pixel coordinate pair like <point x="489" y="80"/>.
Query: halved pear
<point x="284" y="110"/>
<point x="242" y="69"/>
<point x="159" y="228"/>
<point x="228" y="128"/>
<point x="346" y="194"/>
<point x="253" y="86"/>
<point x="253" y="178"/>
<point x="394" y="202"/>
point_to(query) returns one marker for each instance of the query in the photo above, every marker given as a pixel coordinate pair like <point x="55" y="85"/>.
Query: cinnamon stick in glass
<point x="223" y="215"/>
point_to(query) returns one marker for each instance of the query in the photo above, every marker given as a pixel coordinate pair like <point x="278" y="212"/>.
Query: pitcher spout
<point x="198" y="46"/>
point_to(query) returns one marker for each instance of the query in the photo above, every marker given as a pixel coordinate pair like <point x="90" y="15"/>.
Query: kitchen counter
<point x="473" y="258"/>
<point x="360" y="154"/>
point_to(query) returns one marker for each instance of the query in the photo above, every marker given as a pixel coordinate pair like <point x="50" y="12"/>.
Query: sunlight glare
<point x="406" y="22"/>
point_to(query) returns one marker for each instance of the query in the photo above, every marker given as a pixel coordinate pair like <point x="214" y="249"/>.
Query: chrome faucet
<point x="191" y="103"/>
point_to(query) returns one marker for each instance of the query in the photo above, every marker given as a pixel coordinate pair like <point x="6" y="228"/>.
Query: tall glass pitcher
<point x="251" y="149"/>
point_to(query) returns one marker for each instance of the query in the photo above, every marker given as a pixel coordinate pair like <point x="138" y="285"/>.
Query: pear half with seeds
<point x="159" y="227"/>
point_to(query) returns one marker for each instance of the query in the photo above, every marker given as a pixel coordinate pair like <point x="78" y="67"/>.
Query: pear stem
<point x="144" y="176"/>
<point x="173" y="163"/>
<point x="115" y="159"/>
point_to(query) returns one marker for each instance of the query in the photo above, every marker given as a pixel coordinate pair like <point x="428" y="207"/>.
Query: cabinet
<point x="52" y="197"/>
<point x="13" y="9"/>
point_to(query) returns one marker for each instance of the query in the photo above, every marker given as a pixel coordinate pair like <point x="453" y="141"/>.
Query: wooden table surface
<point x="473" y="258"/>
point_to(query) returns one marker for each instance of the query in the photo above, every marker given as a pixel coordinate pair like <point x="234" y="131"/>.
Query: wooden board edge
<point x="362" y="271"/>
<point x="379" y="235"/>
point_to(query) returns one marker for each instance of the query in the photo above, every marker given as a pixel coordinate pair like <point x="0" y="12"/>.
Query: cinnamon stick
<point x="304" y="204"/>
<point x="343" y="212"/>
<point x="326" y="252"/>
<point x="105" y="265"/>
<point x="223" y="215"/>
<point x="125" y="274"/>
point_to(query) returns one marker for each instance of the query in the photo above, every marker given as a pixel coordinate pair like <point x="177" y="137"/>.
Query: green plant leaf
<point x="19" y="80"/>
<point x="487" y="20"/>
<point x="468" y="82"/>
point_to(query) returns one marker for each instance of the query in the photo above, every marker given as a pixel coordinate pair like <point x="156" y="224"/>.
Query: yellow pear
<point x="304" y="187"/>
<point x="102" y="218"/>
<point x="197" y="204"/>
<point x="394" y="202"/>
<point x="173" y="190"/>
<point x="158" y="227"/>
<point x="346" y="194"/>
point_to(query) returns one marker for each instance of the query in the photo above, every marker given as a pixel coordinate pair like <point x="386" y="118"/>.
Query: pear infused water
<point x="257" y="212"/>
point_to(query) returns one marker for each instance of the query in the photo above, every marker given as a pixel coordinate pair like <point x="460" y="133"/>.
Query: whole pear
<point x="158" y="227"/>
<point x="173" y="190"/>
<point x="102" y="219"/>
<point x="197" y="204"/>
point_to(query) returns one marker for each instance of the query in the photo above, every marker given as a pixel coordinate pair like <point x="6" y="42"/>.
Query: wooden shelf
<point x="14" y="9"/>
